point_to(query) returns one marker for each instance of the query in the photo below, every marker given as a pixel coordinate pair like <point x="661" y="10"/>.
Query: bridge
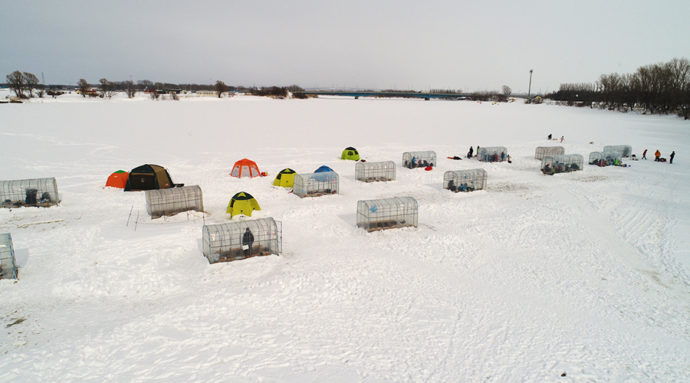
<point x="358" y="94"/>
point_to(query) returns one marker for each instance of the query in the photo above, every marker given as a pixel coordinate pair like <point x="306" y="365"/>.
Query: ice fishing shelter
<point x="242" y="203"/>
<point x="420" y="159"/>
<point x="285" y="178"/>
<point x="39" y="192"/>
<point x="389" y="213"/>
<point x="118" y="179"/>
<point x="542" y="151"/>
<point x="375" y="171"/>
<point x="605" y="158"/>
<point x="245" y="168"/>
<point x="148" y="177"/>
<point x="623" y="150"/>
<point x="167" y="202"/>
<point x="561" y="163"/>
<point x="350" y="153"/>
<point x="465" y="180"/>
<point x="242" y="239"/>
<point x="316" y="184"/>
<point x="492" y="154"/>
<point x="8" y="266"/>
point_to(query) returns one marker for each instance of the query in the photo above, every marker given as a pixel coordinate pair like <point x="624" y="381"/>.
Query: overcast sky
<point x="405" y="44"/>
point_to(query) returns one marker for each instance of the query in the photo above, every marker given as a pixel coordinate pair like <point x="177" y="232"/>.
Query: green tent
<point x="350" y="153"/>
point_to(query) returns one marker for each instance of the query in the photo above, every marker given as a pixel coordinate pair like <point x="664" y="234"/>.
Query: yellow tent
<point x="285" y="178"/>
<point x="242" y="203"/>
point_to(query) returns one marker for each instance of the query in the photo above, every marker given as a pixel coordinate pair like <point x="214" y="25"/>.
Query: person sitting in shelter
<point x="247" y="241"/>
<point x="657" y="154"/>
<point x="463" y="187"/>
<point x="413" y="163"/>
<point x="547" y="169"/>
<point x="503" y="156"/>
<point x="451" y="186"/>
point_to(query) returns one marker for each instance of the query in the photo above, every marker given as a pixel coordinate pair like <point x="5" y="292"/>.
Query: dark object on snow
<point x="31" y="196"/>
<point x="563" y="374"/>
<point x="673" y="154"/>
<point x="549" y="136"/>
<point x="469" y="153"/>
<point x="455" y="158"/>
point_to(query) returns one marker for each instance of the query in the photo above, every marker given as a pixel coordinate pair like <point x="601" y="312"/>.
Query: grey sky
<point x="471" y="45"/>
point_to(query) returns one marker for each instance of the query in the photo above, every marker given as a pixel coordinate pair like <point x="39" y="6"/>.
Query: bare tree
<point x="30" y="82"/>
<point x="221" y="88"/>
<point x="507" y="91"/>
<point x="106" y="88"/>
<point x="16" y="81"/>
<point x="130" y="89"/>
<point x="83" y="87"/>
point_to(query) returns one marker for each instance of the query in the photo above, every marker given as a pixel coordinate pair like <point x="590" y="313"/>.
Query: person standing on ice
<point x="657" y="154"/>
<point x="673" y="154"/>
<point x="562" y="138"/>
<point x="644" y="154"/>
<point x="549" y="136"/>
<point x="469" y="154"/>
<point x="477" y="153"/>
<point x="247" y="241"/>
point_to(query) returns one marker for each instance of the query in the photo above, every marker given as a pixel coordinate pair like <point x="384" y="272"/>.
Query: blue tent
<point x="324" y="177"/>
<point x="323" y="168"/>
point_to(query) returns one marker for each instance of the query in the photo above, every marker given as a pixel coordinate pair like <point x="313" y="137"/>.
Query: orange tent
<point x="118" y="179"/>
<point x="245" y="168"/>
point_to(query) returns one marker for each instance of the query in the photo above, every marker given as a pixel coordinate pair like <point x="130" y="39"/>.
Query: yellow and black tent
<point x="350" y="153"/>
<point x="285" y="178"/>
<point x="242" y="203"/>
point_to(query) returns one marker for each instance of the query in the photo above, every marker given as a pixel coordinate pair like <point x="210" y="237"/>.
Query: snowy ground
<point x="586" y="273"/>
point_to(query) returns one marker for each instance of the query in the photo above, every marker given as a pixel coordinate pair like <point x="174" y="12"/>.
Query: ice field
<point x="585" y="274"/>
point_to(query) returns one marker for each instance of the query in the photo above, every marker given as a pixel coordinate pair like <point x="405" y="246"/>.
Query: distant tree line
<point x="656" y="88"/>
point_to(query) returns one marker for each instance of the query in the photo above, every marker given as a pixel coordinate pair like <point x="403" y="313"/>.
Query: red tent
<point x="245" y="168"/>
<point x="117" y="179"/>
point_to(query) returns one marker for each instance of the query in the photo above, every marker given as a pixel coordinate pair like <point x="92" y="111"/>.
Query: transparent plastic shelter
<point x="542" y="151"/>
<point x="375" y="171"/>
<point x="413" y="160"/>
<point x="242" y="239"/>
<point x="389" y="213"/>
<point x="623" y="150"/>
<point x="464" y="180"/>
<point x="30" y="192"/>
<point x="316" y="184"/>
<point x="492" y="154"/>
<point x="605" y="158"/>
<point x="562" y="163"/>
<point x="8" y="267"/>
<point x="166" y="202"/>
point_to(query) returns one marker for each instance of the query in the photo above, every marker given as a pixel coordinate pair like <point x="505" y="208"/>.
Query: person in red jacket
<point x="657" y="154"/>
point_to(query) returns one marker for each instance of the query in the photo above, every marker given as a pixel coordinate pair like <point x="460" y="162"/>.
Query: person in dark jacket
<point x="644" y="154"/>
<point x="247" y="240"/>
<point x="549" y="136"/>
<point x="673" y="154"/>
<point x="469" y="154"/>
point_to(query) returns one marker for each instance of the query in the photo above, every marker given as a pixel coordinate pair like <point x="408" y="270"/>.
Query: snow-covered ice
<point x="585" y="273"/>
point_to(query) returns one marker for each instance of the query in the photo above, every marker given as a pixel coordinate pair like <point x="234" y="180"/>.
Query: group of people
<point x="463" y="187"/>
<point x="415" y="163"/>
<point x="657" y="156"/>
<point x="559" y="168"/>
<point x="491" y="157"/>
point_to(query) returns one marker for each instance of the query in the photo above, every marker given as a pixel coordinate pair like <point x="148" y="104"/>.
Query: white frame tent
<point x="167" y="202"/>
<point x="623" y="150"/>
<point x="8" y="265"/>
<point x="40" y="192"/>
<point x="225" y="242"/>
<point x="421" y="159"/>
<point x="542" y="151"/>
<point x="562" y="163"/>
<point x="465" y="180"/>
<point x="388" y="213"/>
<point x="486" y="154"/>
<point x="375" y="171"/>
<point x="316" y="184"/>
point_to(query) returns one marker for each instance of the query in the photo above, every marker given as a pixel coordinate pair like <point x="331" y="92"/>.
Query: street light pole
<point x="529" y="90"/>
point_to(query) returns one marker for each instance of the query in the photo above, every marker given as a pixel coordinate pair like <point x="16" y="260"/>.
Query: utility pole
<point x="529" y="90"/>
